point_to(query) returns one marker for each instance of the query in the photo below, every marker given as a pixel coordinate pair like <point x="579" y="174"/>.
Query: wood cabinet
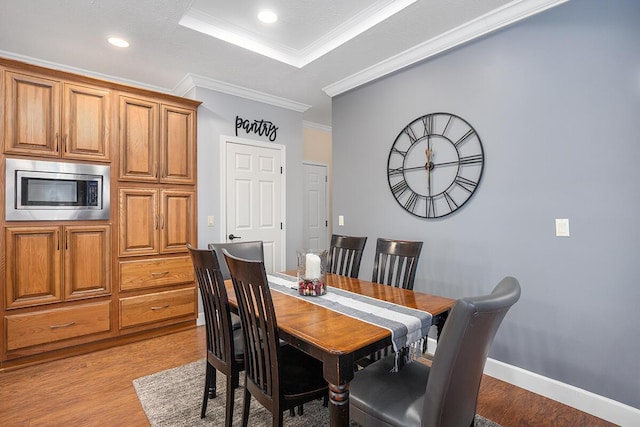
<point x="156" y="221"/>
<point x="48" y="264"/>
<point x="55" y="118"/>
<point x="157" y="142"/>
<point x="47" y="326"/>
<point x="157" y="307"/>
<point x="72" y="286"/>
<point x="155" y="273"/>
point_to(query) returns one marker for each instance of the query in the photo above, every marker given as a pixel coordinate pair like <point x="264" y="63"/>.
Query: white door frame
<point x="224" y="139"/>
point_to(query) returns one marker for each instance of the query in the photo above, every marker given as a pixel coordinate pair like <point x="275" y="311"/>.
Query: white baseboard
<point x="583" y="400"/>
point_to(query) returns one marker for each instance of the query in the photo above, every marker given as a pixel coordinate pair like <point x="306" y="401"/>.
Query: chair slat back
<point x="259" y="326"/>
<point x="454" y="381"/>
<point x="216" y="306"/>
<point x="345" y="255"/>
<point x="396" y="262"/>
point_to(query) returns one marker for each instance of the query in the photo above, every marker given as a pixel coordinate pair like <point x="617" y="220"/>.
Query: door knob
<point x="231" y="237"/>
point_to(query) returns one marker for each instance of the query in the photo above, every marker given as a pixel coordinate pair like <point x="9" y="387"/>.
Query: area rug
<point x="173" y="398"/>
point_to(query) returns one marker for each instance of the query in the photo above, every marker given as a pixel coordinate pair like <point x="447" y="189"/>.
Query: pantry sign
<point x="258" y="127"/>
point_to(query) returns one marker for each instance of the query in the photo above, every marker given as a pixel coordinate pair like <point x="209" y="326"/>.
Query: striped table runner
<point x="408" y="326"/>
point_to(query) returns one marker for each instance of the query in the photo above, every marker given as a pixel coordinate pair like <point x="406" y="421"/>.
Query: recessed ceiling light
<point x="267" y="16"/>
<point x="116" y="41"/>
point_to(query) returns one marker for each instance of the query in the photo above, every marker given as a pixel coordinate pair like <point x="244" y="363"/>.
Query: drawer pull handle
<point x="159" y="308"/>
<point x="64" y="325"/>
<point x="159" y="274"/>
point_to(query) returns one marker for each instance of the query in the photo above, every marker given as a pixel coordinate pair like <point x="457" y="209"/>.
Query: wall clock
<point x="435" y="165"/>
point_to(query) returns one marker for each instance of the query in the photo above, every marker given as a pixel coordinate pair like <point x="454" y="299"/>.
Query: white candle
<point x="312" y="267"/>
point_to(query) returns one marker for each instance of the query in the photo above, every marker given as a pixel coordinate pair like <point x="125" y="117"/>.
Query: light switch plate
<point x="210" y="221"/>
<point x="340" y="219"/>
<point x="562" y="227"/>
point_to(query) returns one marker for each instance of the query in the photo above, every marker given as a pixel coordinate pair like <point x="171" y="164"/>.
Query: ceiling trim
<point x="315" y="126"/>
<point x="499" y="18"/>
<point x="191" y="81"/>
<point x="205" y="23"/>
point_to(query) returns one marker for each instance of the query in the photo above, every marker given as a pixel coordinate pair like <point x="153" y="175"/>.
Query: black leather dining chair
<point x="253" y="250"/>
<point x="445" y="394"/>
<point x="396" y="262"/>
<point x="225" y="347"/>
<point x="279" y="377"/>
<point x="345" y="255"/>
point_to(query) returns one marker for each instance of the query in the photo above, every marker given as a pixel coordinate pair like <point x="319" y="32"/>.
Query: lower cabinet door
<point x="158" y="306"/>
<point x="46" y="326"/>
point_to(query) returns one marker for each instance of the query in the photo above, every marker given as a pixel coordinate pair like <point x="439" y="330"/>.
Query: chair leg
<point x="277" y="418"/>
<point x="245" y="407"/>
<point x="292" y="412"/>
<point x="228" y="419"/>
<point x="325" y="401"/>
<point x="301" y="410"/>
<point x="212" y="384"/>
<point x="207" y="389"/>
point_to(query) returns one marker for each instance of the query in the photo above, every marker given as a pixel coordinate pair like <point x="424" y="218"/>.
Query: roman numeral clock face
<point x="435" y="165"/>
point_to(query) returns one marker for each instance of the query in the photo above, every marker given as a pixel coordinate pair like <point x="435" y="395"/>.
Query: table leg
<point x="339" y="404"/>
<point x="440" y="321"/>
<point x="338" y="371"/>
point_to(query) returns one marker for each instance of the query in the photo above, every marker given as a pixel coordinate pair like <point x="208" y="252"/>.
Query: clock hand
<point x="428" y="167"/>
<point x="454" y="163"/>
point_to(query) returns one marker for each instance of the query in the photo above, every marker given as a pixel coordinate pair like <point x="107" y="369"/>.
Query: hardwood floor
<point x="95" y="389"/>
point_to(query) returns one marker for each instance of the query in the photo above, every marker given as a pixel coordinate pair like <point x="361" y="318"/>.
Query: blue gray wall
<point x="216" y="117"/>
<point x="556" y="102"/>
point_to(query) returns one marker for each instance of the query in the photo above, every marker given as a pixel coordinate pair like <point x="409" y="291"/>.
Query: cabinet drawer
<point x="154" y="273"/>
<point x="157" y="307"/>
<point x="24" y="330"/>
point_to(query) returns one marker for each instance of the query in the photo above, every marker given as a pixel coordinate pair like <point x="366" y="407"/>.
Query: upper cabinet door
<point x="37" y="123"/>
<point x="138" y="140"/>
<point x="177" y="145"/>
<point x="86" y="123"/>
<point x="32" y="115"/>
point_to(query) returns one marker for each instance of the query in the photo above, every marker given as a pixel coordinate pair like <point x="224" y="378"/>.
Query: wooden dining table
<point x="339" y="340"/>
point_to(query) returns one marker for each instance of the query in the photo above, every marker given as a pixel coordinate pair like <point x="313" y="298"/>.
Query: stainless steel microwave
<point x="51" y="191"/>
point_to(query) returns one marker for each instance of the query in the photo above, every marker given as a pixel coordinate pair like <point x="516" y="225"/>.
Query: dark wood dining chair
<point x="345" y="255"/>
<point x="396" y="262"/>
<point x="279" y="377"/>
<point x="445" y="394"/>
<point x="225" y="346"/>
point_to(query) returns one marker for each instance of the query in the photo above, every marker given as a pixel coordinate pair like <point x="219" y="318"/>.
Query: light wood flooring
<point x="96" y="390"/>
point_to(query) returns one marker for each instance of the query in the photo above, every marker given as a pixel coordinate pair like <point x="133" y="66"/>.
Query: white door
<point x="315" y="231"/>
<point x="254" y="196"/>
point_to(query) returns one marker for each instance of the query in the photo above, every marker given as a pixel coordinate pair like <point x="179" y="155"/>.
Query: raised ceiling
<point x="317" y="49"/>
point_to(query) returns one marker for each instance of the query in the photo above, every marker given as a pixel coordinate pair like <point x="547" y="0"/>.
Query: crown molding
<point x="316" y="126"/>
<point x="191" y="81"/>
<point x="499" y="18"/>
